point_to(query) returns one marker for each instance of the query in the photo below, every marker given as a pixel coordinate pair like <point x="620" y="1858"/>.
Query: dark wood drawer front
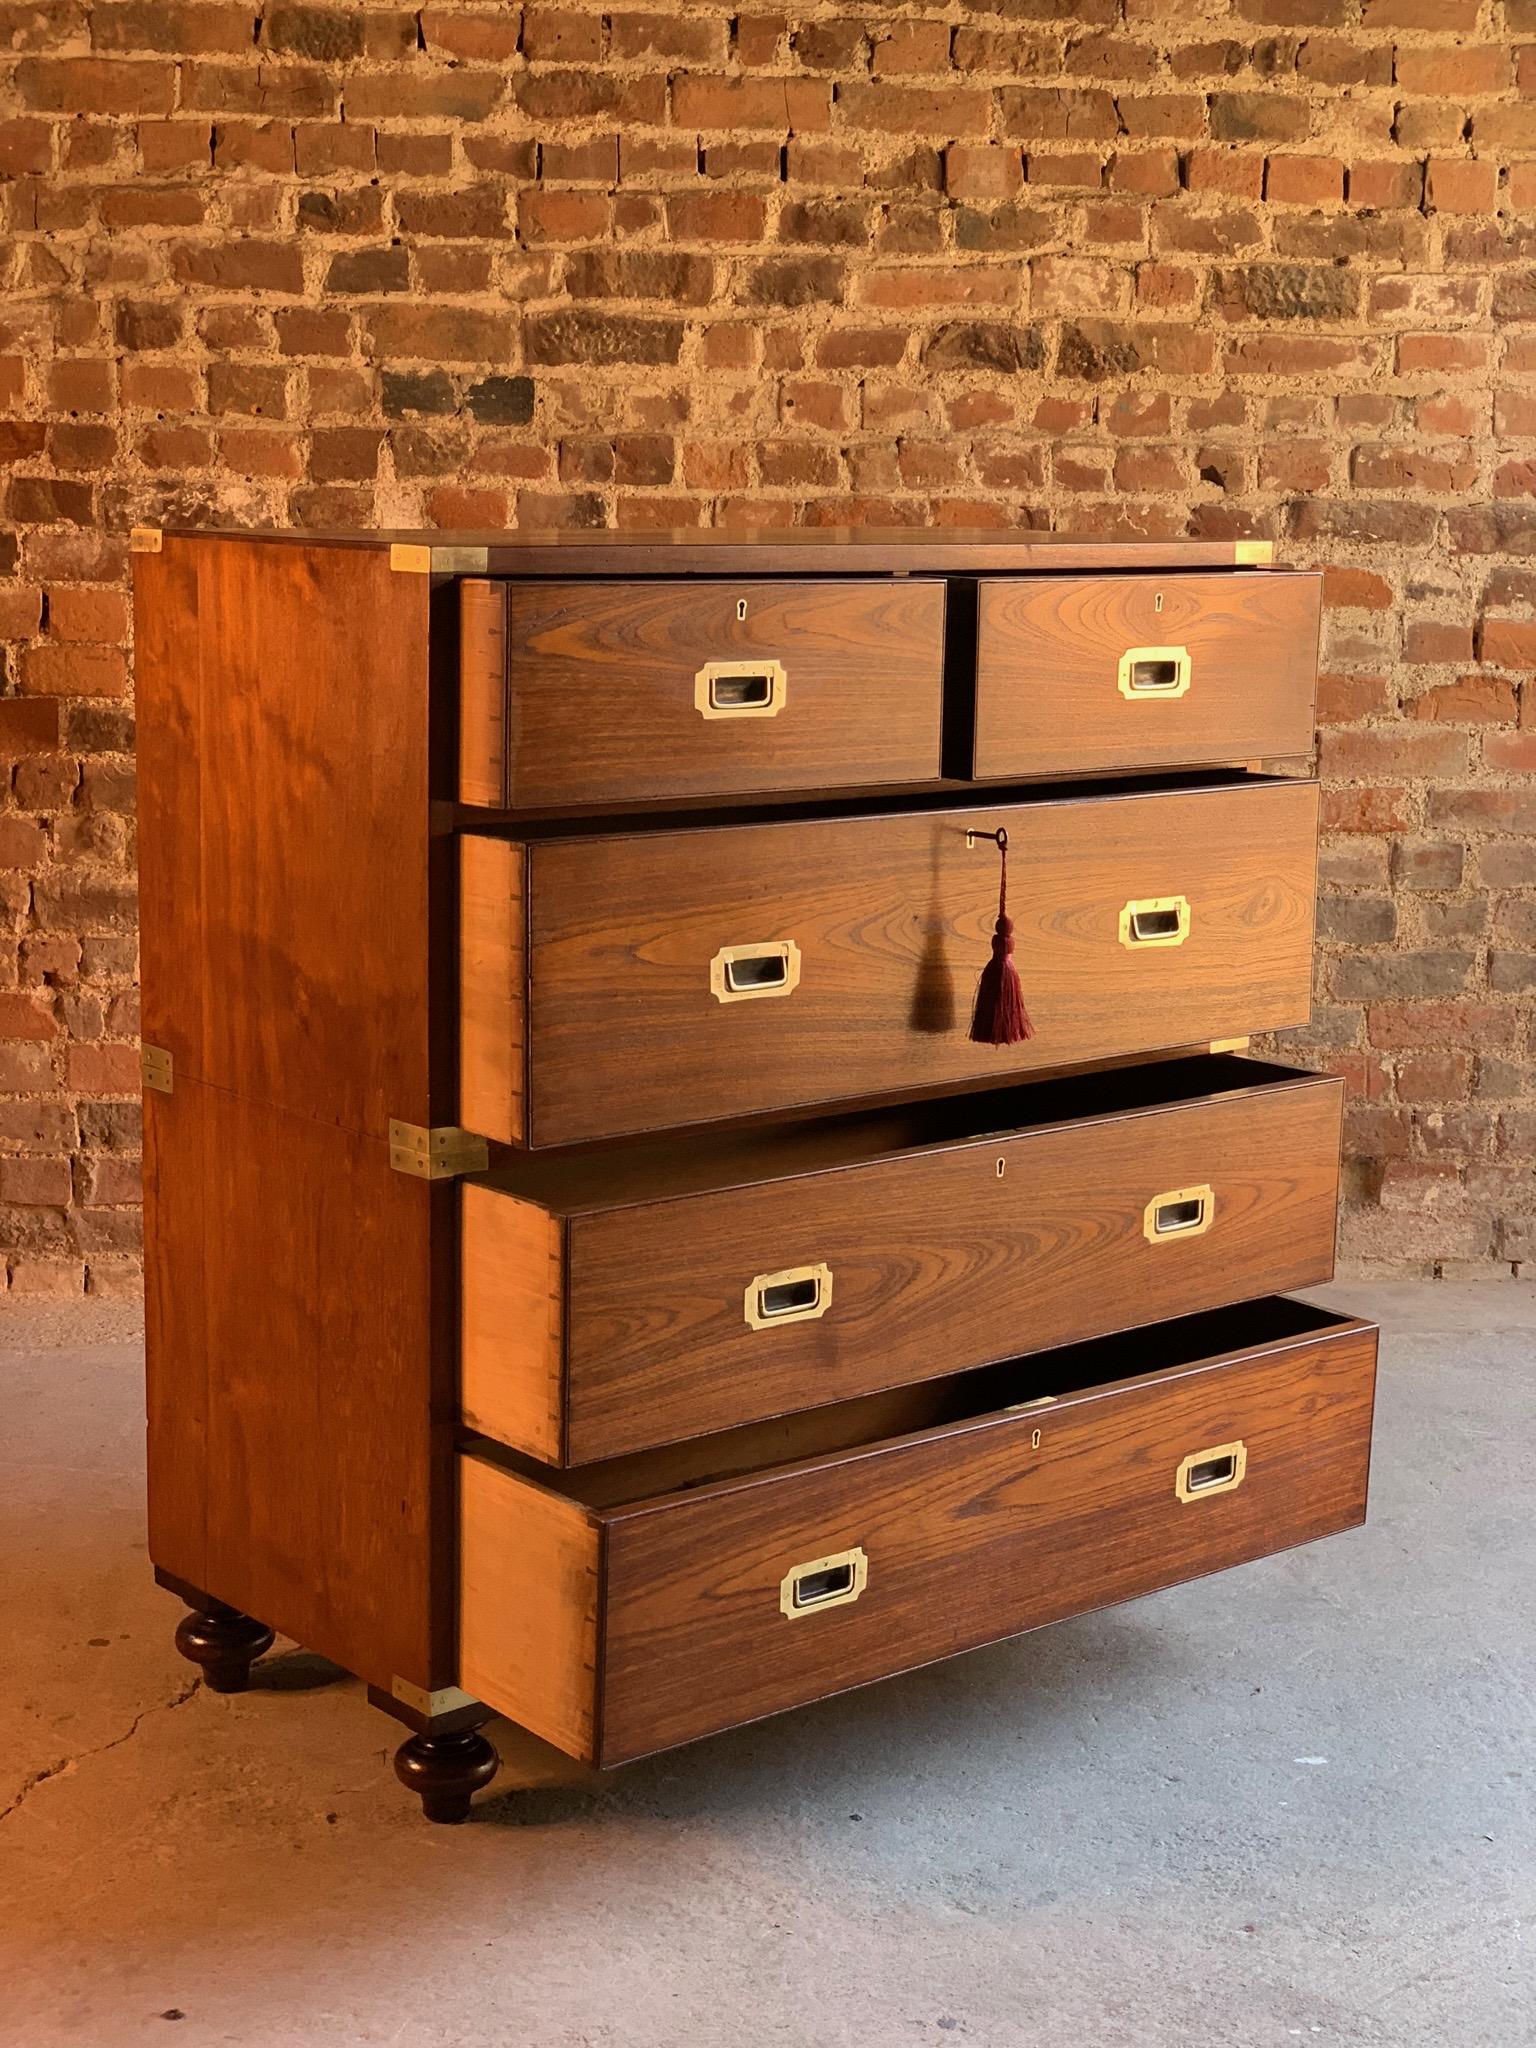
<point x="1081" y="674"/>
<point x="613" y="693"/>
<point x="868" y="935"/>
<point x="597" y="1327"/>
<point x="1245" y="1432"/>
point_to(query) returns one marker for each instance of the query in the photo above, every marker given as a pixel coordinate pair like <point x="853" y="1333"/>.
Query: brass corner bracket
<point x="440" y="1153"/>
<point x="144" y="540"/>
<point x="158" y="1069"/>
<point x="447" y="1699"/>
<point x="1253" y="554"/>
<point x="410" y="560"/>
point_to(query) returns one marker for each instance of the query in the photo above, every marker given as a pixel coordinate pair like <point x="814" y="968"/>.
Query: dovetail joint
<point x="437" y="1154"/>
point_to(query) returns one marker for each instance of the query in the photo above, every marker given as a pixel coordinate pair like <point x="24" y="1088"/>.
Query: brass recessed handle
<point x="1152" y="672"/>
<point x="770" y="968"/>
<point x="1181" y="1212"/>
<point x="1155" y="921"/>
<point x="800" y="1294"/>
<point x="1221" y="1469"/>
<point x="740" y="689"/>
<point x="835" y="1581"/>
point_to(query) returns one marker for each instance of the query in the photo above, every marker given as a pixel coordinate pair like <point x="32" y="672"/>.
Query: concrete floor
<point x="1291" y="1803"/>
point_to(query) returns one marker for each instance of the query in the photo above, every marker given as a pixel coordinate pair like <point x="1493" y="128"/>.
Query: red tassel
<point x="1000" y="1017"/>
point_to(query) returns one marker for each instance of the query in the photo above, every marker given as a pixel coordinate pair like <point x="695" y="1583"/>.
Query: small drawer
<point x="615" y="1301"/>
<point x="1078" y="674"/>
<point x="618" y="693"/>
<point x="615" y="983"/>
<point x="649" y="1601"/>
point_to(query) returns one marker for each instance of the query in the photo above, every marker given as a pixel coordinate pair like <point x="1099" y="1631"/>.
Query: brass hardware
<point x="158" y="1068"/>
<point x="1040" y="1401"/>
<point x="800" y="1294"/>
<point x="835" y="1581"/>
<point x="1002" y="1168"/>
<point x="1155" y="921"/>
<point x="1157" y="602"/>
<point x="144" y="540"/>
<point x="1218" y="1470"/>
<point x="1034" y="1440"/>
<point x="1181" y="1212"/>
<point x="436" y="1154"/>
<point x="1253" y="554"/>
<point x="740" y="689"/>
<point x="411" y="560"/>
<point x="447" y="1699"/>
<point x="737" y="974"/>
<point x="1230" y="1044"/>
<point x="1155" y="671"/>
<point x="973" y="833"/>
<point x="741" y="607"/>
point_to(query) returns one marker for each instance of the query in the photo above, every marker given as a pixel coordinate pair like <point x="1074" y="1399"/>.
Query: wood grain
<point x="601" y="687"/>
<point x="971" y="1535"/>
<point x="893" y="916"/>
<point x="512" y="1371"/>
<point x="528" y="1596"/>
<point x="301" y="1403"/>
<point x="1047" y="693"/>
<point x="938" y="1264"/>
<point x="493" y="968"/>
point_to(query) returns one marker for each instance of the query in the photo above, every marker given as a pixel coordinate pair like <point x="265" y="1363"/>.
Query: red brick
<point x="1461" y="186"/>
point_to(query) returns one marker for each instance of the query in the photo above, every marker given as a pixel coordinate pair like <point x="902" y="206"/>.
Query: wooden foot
<point x="446" y="1770"/>
<point x="224" y="1643"/>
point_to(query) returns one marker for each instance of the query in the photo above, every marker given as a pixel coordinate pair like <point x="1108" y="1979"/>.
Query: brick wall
<point x="1223" y="267"/>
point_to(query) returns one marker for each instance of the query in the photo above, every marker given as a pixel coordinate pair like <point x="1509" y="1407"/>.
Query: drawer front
<point x="1080" y="674"/>
<point x="622" y="692"/>
<point x="972" y="1534"/>
<point x="698" y="1314"/>
<point x="866" y="937"/>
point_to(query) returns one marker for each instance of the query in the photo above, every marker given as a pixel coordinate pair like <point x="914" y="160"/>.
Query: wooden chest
<point x="594" y="1275"/>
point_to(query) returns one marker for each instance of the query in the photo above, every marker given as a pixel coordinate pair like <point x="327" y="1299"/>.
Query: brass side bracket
<point x="144" y="540"/>
<point x="411" y="560"/>
<point x="1253" y="554"/>
<point x="158" y="1068"/>
<point x="436" y="1154"/>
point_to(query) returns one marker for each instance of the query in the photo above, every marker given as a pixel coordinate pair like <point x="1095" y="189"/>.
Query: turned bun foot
<point x="223" y="1643"/>
<point x="446" y="1771"/>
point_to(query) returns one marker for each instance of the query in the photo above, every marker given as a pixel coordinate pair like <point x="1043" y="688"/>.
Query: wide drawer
<point x="1078" y="674"/>
<point x="616" y="693"/>
<point x="631" y="982"/>
<point x="666" y="1596"/>
<point x="613" y="1302"/>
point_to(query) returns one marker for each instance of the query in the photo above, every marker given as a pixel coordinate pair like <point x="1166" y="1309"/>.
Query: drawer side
<point x="512" y="1317"/>
<point x="528" y="1603"/>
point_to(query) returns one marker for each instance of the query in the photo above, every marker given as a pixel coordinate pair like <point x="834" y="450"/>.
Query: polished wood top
<point x="715" y="551"/>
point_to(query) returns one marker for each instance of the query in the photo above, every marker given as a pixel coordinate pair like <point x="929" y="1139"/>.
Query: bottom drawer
<point x="655" y="1598"/>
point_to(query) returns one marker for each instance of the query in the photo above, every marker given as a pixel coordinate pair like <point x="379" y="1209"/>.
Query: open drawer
<point x="1078" y="674"/>
<point x="618" y="982"/>
<point x="656" y="1598"/>
<point x="638" y="1295"/>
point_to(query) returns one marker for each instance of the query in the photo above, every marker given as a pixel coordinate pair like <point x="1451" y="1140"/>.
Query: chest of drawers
<point x="593" y="1273"/>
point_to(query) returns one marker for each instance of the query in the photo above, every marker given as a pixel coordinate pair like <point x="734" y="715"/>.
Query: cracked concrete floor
<point x="1291" y="1803"/>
